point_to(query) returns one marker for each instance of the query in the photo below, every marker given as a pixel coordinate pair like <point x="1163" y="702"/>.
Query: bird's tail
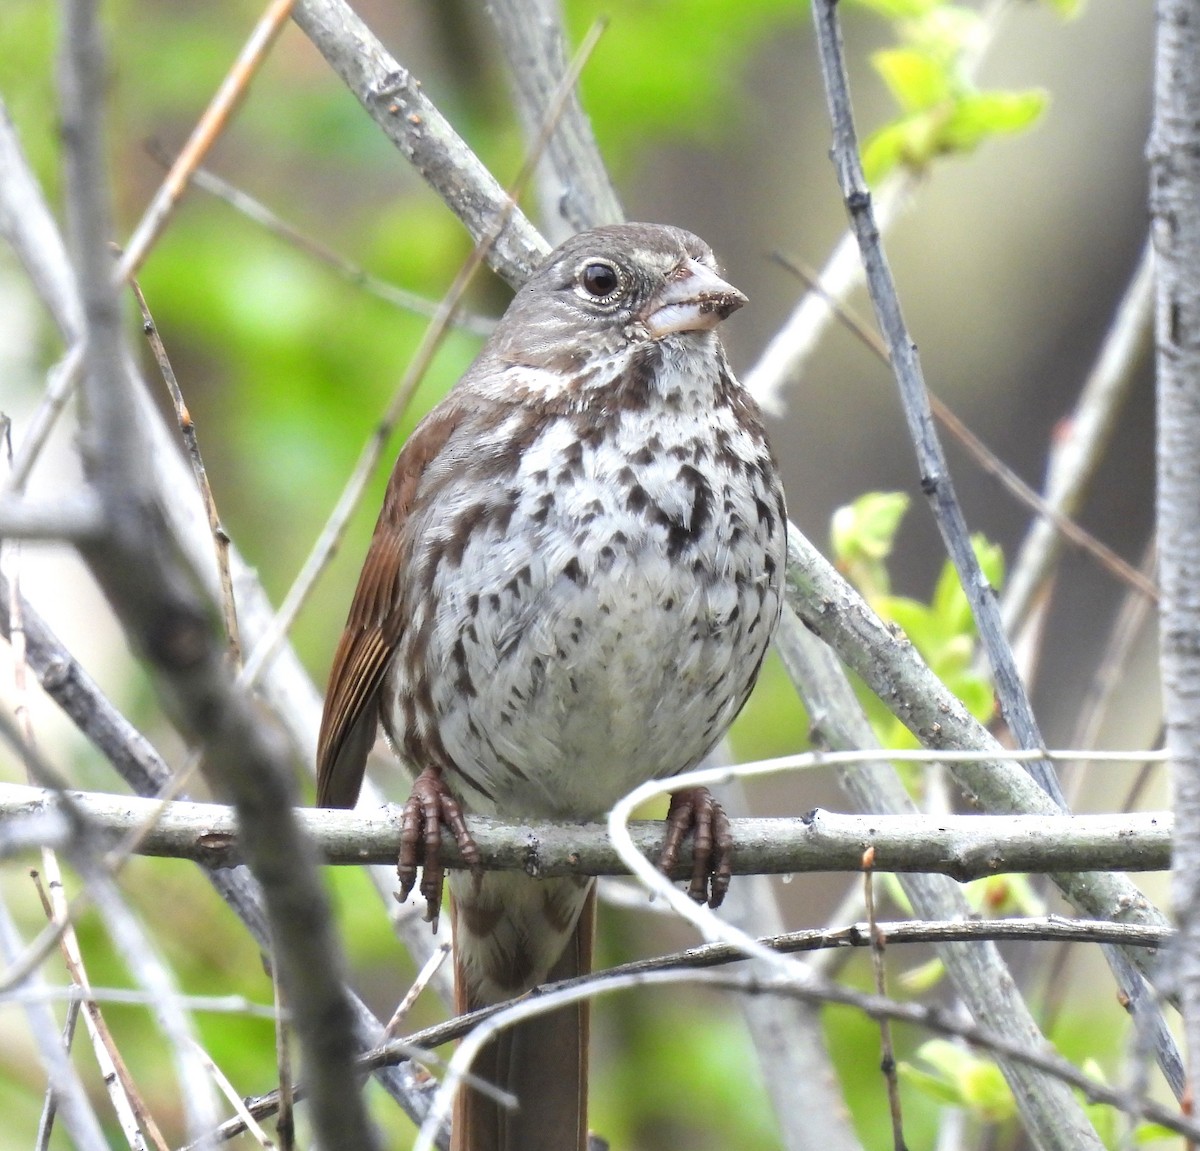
<point x="511" y="933"/>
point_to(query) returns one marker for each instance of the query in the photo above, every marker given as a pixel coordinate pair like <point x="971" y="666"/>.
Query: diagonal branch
<point x="136" y="565"/>
<point x="575" y="191"/>
<point x="936" y="482"/>
<point x="393" y="98"/>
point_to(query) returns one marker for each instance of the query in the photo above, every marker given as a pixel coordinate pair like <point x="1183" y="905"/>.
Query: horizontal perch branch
<point x="962" y="846"/>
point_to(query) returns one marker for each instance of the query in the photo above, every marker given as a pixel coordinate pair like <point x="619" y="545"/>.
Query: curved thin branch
<point x="1049" y="928"/>
<point x="811" y="989"/>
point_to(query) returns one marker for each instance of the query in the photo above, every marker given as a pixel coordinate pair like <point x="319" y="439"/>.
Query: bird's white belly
<point x="602" y="650"/>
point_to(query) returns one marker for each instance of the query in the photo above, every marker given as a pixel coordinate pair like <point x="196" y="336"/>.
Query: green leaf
<point x="931" y="1085"/>
<point x="899" y="9"/>
<point x="977" y="696"/>
<point x="950" y="601"/>
<point x="1068" y="9"/>
<point x="982" y="114"/>
<point x="1000" y="895"/>
<point x="915" y="79"/>
<point x="943" y="1056"/>
<point x="862" y="535"/>
<point x="943" y="34"/>
<point x="976" y="1083"/>
<point x="911" y="616"/>
<point x="1152" y="1133"/>
<point x="910" y="141"/>
<point x="924" y="977"/>
<point x="869" y="524"/>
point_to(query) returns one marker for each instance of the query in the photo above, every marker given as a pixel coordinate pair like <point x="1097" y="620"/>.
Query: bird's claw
<point x="695" y="810"/>
<point x="429" y="808"/>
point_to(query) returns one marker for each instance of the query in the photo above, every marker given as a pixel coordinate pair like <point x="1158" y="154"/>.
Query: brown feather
<point x="351" y="715"/>
<point x="542" y="1061"/>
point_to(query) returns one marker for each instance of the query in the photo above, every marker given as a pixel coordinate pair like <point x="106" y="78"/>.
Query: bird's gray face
<point x="613" y="289"/>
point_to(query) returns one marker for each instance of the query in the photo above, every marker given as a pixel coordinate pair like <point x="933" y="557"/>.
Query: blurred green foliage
<point x="929" y="76"/>
<point x="942" y="630"/>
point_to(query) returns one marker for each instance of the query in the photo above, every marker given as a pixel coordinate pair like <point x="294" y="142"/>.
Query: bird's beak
<point x="695" y="299"/>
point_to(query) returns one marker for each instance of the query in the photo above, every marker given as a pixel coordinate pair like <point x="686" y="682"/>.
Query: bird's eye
<point x="599" y="279"/>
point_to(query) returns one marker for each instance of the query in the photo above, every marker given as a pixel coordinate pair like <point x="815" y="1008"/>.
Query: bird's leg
<point x="429" y="808"/>
<point x="695" y="810"/>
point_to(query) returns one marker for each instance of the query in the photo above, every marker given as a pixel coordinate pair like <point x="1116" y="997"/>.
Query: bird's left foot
<point x="695" y="810"/>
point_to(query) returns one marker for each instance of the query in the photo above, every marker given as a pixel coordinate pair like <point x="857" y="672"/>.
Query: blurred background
<point x="1010" y="263"/>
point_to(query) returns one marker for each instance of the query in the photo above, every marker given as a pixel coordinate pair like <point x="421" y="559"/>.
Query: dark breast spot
<point x="574" y="572"/>
<point x="463" y="528"/>
<point x="545" y="505"/>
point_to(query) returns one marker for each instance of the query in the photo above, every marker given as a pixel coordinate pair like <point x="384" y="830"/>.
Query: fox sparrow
<point x="570" y="590"/>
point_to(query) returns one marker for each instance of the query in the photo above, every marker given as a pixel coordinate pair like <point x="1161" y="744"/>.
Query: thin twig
<point x="234" y="1098"/>
<point x="978" y="973"/>
<point x="1048" y="1110"/>
<point x="75" y="518"/>
<point x="936" y="481"/>
<point x="59" y="387"/>
<point x="142" y="768"/>
<point x="126" y="1103"/>
<point x="28" y="225"/>
<point x="802" y="1085"/>
<point x="49" y="1107"/>
<point x="878" y="966"/>
<point x="834" y="940"/>
<point x="890" y="666"/>
<point x="286" y="1125"/>
<point x="935" y="478"/>
<point x="208" y="128"/>
<point x="139" y="568"/>
<point x="187" y="429"/>
<point x="428" y="971"/>
<point x="902" y="353"/>
<point x="801" y="985"/>
<point x="574" y="189"/>
<point x="288" y="689"/>
<point x="12" y="553"/>
<point x="1134" y="614"/>
<point x="1085" y="438"/>
<point x="131" y="997"/>
<point x="395" y="100"/>
<point x="783" y="359"/>
<point x="71" y="1103"/>
<point x="132" y="1113"/>
<point x="129" y="939"/>
<point x="989" y="463"/>
<point x="431" y="339"/>
<point x="256" y="210"/>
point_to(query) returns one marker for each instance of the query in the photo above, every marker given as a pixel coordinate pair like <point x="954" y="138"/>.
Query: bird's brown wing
<point x="374" y="625"/>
